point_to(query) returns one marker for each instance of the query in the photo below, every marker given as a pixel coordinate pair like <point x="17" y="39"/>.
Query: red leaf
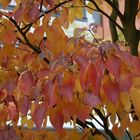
<point x="66" y="92"/>
<point x="24" y="105"/>
<point x="19" y="13"/>
<point x="81" y="61"/>
<point x="12" y="110"/>
<point x="113" y="64"/>
<point x="83" y="113"/>
<point x="111" y="90"/>
<point x="9" y="37"/>
<point x="34" y="13"/>
<point x="57" y="118"/>
<point x="91" y="76"/>
<point x="50" y="2"/>
<point x="49" y="93"/>
<point x="39" y="114"/>
<point x="26" y="82"/>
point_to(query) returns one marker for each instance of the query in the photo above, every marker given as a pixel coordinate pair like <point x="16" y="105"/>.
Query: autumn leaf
<point x="49" y="92"/>
<point x="111" y="89"/>
<point x="83" y="113"/>
<point x="24" y="105"/>
<point x="92" y="100"/>
<point x="92" y="76"/>
<point x="5" y="3"/>
<point x="9" y="37"/>
<point x="12" y="110"/>
<point x="114" y="69"/>
<point x="26" y="82"/>
<point x="125" y="99"/>
<point x="57" y="118"/>
<point x="33" y="13"/>
<point x="39" y="114"/>
<point x="125" y="82"/>
<point x="135" y="97"/>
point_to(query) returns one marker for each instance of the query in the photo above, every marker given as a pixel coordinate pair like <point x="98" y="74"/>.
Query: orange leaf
<point x="135" y="97"/>
<point x="125" y="82"/>
<point x="9" y="37"/>
<point x="5" y="3"/>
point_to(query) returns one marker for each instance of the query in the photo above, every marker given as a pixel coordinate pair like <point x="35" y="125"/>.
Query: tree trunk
<point x="131" y="34"/>
<point x="113" y="29"/>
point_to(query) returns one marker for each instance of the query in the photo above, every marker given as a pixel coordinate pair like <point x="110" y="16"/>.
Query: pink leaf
<point x="81" y="61"/>
<point x="92" y="100"/>
<point x="42" y="73"/>
<point x="24" y="105"/>
<point x="113" y="64"/>
<point x="66" y="92"/>
<point x="12" y="110"/>
<point x="39" y="114"/>
<point x="26" y="82"/>
<point x="49" y="92"/>
<point x="34" y="13"/>
<point x="111" y="90"/>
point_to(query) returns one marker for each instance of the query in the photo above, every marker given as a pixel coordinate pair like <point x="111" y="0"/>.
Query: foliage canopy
<point x="45" y="73"/>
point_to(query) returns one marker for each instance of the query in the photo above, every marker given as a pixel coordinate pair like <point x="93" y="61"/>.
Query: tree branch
<point x="34" y="48"/>
<point x="114" y="7"/>
<point x="105" y="14"/>
<point x="53" y="9"/>
<point x="105" y="126"/>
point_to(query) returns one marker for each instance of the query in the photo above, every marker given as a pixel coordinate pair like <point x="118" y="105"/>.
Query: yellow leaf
<point x="18" y="1"/>
<point x="30" y="123"/>
<point x="24" y="120"/>
<point x="136" y="82"/>
<point x="52" y="136"/>
<point x="74" y="135"/>
<point x="135" y="127"/>
<point x="99" y="137"/>
<point x="77" y="86"/>
<point x="125" y="101"/>
<point x="91" y="7"/>
<point x="75" y="13"/>
<point x="135" y="97"/>
<point x="5" y="3"/>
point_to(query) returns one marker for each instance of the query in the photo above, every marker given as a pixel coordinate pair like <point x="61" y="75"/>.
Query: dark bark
<point x="113" y="29"/>
<point x="132" y="37"/>
<point x="131" y="34"/>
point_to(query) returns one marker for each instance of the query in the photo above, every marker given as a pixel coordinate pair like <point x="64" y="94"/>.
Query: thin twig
<point x="105" y="14"/>
<point x="53" y="9"/>
<point x="127" y="132"/>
